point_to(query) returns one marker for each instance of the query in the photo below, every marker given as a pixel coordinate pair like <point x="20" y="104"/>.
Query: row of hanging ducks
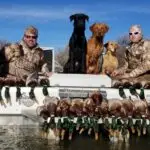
<point x="6" y="98"/>
<point x="77" y="114"/>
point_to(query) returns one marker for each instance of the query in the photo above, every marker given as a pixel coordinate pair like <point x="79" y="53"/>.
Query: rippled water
<point x="28" y="138"/>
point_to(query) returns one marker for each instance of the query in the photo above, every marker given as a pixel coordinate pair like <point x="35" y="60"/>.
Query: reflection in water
<point x="119" y="146"/>
<point x="28" y="138"/>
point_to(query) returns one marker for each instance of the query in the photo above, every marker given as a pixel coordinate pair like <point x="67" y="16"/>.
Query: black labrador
<point x="77" y="46"/>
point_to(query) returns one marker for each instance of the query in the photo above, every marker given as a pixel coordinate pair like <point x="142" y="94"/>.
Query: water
<point x="28" y="138"/>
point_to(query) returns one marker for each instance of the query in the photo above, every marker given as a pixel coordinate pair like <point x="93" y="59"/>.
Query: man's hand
<point x="125" y="76"/>
<point x="115" y="73"/>
<point x="48" y="74"/>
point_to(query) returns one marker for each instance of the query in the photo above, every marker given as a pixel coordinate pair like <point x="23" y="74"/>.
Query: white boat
<point x="23" y="110"/>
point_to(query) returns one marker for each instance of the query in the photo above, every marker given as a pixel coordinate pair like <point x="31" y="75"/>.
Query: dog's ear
<point x="106" y="28"/>
<point x="72" y="17"/>
<point x="92" y="27"/>
<point x="86" y="17"/>
<point x="106" y="45"/>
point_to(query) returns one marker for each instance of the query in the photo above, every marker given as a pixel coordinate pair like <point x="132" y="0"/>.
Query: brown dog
<point x="95" y="47"/>
<point x="110" y="61"/>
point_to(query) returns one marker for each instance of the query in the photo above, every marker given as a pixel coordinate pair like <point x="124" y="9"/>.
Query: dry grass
<point x="120" y="55"/>
<point x="3" y="43"/>
<point x="62" y="56"/>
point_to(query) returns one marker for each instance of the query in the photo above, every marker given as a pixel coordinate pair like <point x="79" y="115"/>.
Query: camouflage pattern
<point x="25" y="63"/>
<point x="36" y="56"/>
<point x="31" y="30"/>
<point x="137" y="59"/>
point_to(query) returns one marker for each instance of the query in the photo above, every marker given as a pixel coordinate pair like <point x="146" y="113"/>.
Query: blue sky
<point x="51" y="17"/>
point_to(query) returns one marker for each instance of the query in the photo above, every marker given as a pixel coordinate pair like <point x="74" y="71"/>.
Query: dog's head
<point x="111" y="46"/>
<point x="12" y="50"/>
<point x="79" y="20"/>
<point x="99" y="29"/>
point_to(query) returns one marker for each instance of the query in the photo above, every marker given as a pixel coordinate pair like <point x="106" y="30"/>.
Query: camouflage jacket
<point x="137" y="59"/>
<point x="36" y="56"/>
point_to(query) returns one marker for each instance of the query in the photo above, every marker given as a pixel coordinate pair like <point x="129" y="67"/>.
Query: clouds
<point x="139" y="9"/>
<point x="20" y="12"/>
<point x="52" y="12"/>
<point x="63" y="11"/>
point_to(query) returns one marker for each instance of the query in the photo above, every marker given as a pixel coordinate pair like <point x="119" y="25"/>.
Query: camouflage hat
<point x="31" y="30"/>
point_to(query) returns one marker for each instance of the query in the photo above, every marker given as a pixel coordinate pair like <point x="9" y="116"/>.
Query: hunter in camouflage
<point x="137" y="57"/>
<point x="26" y="59"/>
